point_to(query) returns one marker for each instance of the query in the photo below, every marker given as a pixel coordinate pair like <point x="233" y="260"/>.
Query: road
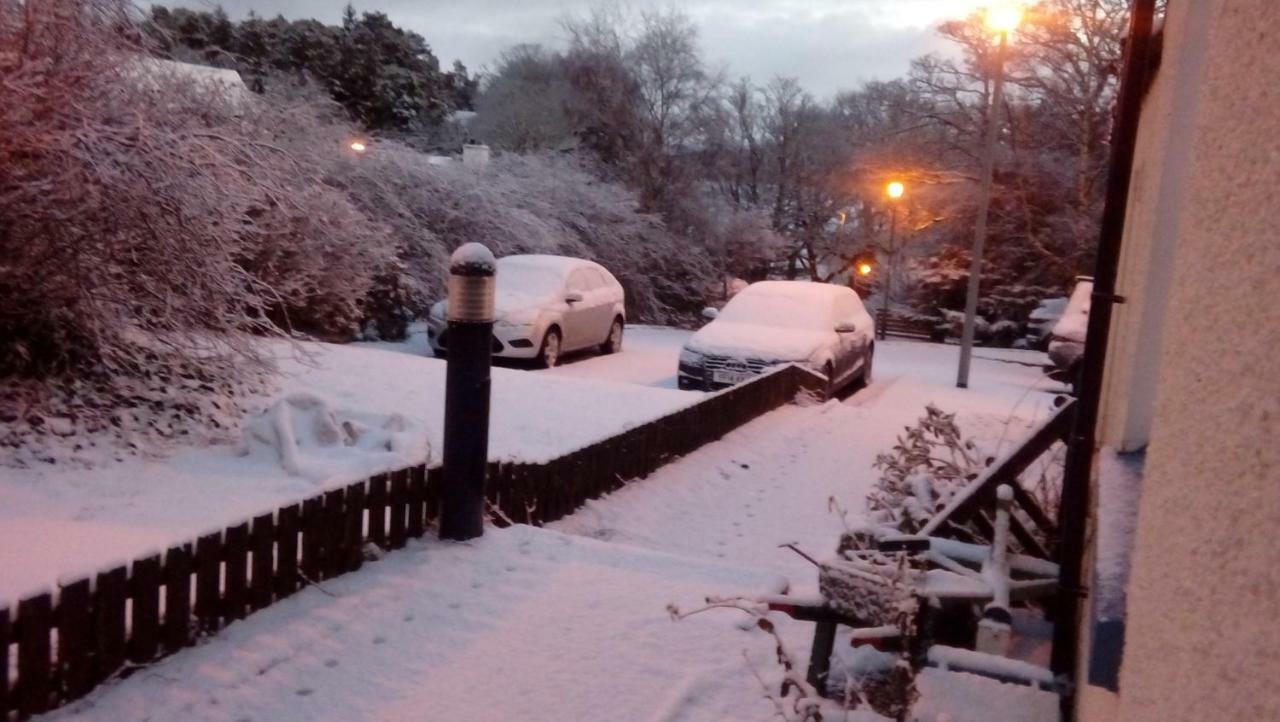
<point x="649" y="357"/>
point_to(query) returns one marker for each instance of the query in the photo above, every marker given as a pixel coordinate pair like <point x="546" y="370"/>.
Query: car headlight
<point x="690" y="358"/>
<point x="514" y="323"/>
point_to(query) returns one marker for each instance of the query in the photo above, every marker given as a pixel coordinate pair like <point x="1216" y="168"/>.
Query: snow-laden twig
<point x="798" y="700"/>
<point x="495" y="511"/>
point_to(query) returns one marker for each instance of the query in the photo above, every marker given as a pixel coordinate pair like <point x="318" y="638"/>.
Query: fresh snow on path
<point x="523" y="624"/>
<point x="569" y="623"/>
<point x="769" y="482"/>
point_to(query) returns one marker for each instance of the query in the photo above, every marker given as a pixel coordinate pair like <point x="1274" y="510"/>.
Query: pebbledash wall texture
<point x="1194" y="374"/>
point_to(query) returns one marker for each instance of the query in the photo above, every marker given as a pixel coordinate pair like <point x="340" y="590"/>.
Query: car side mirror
<point x="846" y="327"/>
<point x="710" y="313"/>
<point x="572" y="297"/>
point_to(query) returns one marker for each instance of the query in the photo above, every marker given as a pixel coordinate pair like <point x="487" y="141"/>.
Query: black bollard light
<point x="466" y="393"/>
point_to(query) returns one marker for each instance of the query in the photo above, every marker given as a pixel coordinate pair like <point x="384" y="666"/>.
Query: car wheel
<point x="613" y="344"/>
<point x="831" y="380"/>
<point x="549" y="354"/>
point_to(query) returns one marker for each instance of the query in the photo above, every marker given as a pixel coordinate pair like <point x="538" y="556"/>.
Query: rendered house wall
<point x="1203" y="639"/>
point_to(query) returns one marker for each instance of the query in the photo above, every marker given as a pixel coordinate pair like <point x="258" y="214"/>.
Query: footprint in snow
<point x="331" y="663"/>
<point x="305" y="692"/>
<point x="379" y="640"/>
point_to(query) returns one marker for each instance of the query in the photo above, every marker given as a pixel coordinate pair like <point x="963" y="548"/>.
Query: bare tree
<point x="524" y="104"/>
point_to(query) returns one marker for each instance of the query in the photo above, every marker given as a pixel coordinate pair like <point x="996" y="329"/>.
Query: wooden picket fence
<point x="60" y="645"/>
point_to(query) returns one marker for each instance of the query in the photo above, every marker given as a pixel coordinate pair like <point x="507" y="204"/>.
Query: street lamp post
<point x="1003" y="20"/>
<point x="894" y="190"/>
<point x="466" y="392"/>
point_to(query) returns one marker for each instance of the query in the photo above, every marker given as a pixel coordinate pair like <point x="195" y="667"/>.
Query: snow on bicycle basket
<point x="874" y="588"/>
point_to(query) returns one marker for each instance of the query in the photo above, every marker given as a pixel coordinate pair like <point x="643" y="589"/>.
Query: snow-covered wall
<point x="1202" y="271"/>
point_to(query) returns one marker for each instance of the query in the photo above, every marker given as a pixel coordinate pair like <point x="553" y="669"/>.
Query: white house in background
<point x="1191" y="398"/>
<point x="214" y="80"/>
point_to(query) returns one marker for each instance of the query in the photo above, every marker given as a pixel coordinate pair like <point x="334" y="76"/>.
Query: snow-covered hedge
<point x="154" y="220"/>
<point x="150" y="225"/>
<point x="521" y="204"/>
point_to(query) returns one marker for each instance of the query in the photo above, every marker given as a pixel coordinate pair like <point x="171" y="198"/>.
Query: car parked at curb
<point x="1066" y="340"/>
<point x="821" y="326"/>
<point x="546" y="306"/>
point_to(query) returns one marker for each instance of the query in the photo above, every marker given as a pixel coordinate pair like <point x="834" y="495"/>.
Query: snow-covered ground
<point x="739" y="499"/>
<point x="86" y="518"/>
<point x="649" y="358"/>
<point x="570" y="622"/>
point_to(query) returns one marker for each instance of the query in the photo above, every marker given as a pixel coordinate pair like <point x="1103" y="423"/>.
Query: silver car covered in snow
<point x="547" y="306"/>
<point x="818" y="325"/>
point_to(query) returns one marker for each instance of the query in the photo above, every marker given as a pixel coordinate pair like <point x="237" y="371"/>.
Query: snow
<point x="783" y="304"/>
<point x="526" y="284"/>
<point x="1119" y="487"/>
<point x="649" y="357"/>
<point x="1075" y="319"/>
<point x="782" y="321"/>
<point x="475" y="255"/>
<point x="769" y="483"/>
<point x="223" y="81"/>
<point x="570" y="622"/>
<point x="967" y="659"/>
<point x="522" y="624"/>
<point x="770" y="343"/>
<point x="303" y="425"/>
<point x="86" y="517"/>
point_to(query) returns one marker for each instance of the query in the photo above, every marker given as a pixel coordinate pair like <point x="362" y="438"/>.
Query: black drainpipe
<point x="1075" y="506"/>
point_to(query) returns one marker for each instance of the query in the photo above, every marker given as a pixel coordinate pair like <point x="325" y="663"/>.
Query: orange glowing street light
<point x="1004" y="18"/>
<point x="358" y="146"/>
<point x="864" y="269"/>
<point x="894" y="190"/>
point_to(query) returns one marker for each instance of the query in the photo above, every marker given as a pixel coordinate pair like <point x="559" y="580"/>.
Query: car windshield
<point x="516" y="276"/>
<point x="774" y="307"/>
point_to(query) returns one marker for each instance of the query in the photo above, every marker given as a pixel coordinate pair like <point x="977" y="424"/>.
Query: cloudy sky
<point x="827" y="44"/>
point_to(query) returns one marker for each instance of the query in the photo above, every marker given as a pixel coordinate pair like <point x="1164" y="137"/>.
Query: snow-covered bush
<point x="151" y="224"/>
<point x="952" y="326"/>
<point x="933" y="460"/>
<point x="1004" y="333"/>
<point x="928" y="463"/>
<point x="521" y="204"/>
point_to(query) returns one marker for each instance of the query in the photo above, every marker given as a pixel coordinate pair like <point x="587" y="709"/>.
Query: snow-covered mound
<point x="305" y="432"/>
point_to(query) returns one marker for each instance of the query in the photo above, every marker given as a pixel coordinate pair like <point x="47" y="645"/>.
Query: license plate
<point x="731" y="377"/>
